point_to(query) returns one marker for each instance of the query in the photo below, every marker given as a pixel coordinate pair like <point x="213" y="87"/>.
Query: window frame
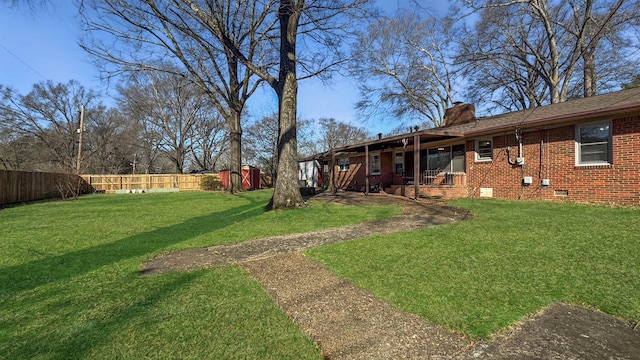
<point x="459" y="148"/>
<point x="396" y="156"/>
<point x="342" y="166"/>
<point x="371" y="163"/>
<point x="479" y="158"/>
<point x="579" y="144"/>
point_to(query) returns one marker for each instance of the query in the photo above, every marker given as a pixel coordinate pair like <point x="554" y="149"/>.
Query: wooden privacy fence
<point x="23" y="186"/>
<point x="113" y="183"/>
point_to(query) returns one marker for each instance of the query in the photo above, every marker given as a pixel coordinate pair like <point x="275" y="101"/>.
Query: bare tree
<point x="402" y="67"/>
<point x="633" y="83"/>
<point x="323" y="24"/>
<point x="33" y="5"/>
<point x="172" y="106"/>
<point x="529" y="52"/>
<point x="503" y="77"/>
<point x="149" y="141"/>
<point x="308" y="144"/>
<point x="598" y="28"/>
<point x="335" y="134"/>
<point x="18" y="152"/>
<point x="196" y="36"/>
<point x="221" y="44"/>
<point x="111" y="137"/>
<point x="262" y="144"/>
<point x="209" y="140"/>
<point x="50" y="114"/>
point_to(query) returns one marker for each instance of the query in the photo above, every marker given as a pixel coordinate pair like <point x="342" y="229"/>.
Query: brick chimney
<point x="460" y="113"/>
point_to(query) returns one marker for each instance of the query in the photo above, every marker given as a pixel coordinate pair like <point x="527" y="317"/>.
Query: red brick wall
<point x="550" y="154"/>
<point x="359" y="179"/>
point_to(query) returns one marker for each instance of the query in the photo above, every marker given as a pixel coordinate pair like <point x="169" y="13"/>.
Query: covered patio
<point x="390" y="165"/>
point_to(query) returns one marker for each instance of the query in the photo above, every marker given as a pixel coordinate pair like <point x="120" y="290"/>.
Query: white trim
<point x="395" y="156"/>
<point x="477" y="158"/>
<point x="371" y="155"/>
<point x="340" y="166"/>
<point x="578" y="144"/>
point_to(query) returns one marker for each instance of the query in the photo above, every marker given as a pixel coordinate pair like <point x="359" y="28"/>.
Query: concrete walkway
<point x="347" y="322"/>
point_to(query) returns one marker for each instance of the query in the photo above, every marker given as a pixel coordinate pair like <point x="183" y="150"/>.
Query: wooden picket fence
<point x="24" y="186"/>
<point x="114" y="183"/>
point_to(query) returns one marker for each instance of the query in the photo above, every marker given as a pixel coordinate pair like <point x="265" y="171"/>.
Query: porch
<point x="432" y="183"/>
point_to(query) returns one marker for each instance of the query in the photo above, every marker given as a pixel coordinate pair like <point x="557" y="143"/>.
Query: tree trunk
<point x="235" y="139"/>
<point x="590" y="73"/>
<point x="286" y="193"/>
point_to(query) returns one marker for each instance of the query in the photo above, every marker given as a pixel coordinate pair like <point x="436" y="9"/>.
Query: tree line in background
<point x="502" y="55"/>
<point x="160" y="124"/>
<point x="191" y="65"/>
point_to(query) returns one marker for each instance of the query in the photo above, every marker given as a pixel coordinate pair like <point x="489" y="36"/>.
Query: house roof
<point x="600" y="106"/>
<point x="585" y="109"/>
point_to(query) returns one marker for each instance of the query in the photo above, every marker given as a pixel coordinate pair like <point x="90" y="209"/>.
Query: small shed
<point x="250" y="177"/>
<point x="310" y="173"/>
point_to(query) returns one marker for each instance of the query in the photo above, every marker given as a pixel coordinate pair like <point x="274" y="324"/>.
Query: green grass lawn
<point x="512" y="259"/>
<point x="69" y="283"/>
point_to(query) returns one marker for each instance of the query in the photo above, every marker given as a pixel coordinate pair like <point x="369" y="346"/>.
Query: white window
<point x="399" y="162"/>
<point x="374" y="164"/>
<point x="593" y="144"/>
<point x="484" y="150"/>
<point x="343" y="164"/>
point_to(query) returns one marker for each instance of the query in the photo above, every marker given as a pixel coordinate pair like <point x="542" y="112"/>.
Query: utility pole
<point x="80" y="131"/>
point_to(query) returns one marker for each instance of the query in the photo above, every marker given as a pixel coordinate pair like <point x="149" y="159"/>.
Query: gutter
<point x="584" y="115"/>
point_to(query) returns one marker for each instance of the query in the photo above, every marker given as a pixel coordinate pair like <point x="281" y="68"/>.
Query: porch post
<point x="366" y="169"/>
<point x="333" y="172"/>
<point x="416" y="165"/>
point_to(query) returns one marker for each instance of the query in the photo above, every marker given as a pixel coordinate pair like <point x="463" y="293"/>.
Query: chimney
<point x="460" y="113"/>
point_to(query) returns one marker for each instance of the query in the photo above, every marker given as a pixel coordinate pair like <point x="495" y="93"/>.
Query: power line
<point x="22" y="61"/>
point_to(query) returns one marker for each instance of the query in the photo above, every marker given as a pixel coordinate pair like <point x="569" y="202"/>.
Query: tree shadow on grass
<point x="27" y="276"/>
<point x="75" y="339"/>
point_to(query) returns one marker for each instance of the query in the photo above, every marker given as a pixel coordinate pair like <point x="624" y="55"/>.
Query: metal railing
<point x="439" y="177"/>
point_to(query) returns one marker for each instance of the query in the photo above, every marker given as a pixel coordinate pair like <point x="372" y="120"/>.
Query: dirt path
<point x="347" y="322"/>
<point x="415" y="216"/>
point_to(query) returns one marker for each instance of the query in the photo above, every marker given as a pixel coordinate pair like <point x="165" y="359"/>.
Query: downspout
<point x="416" y="165"/>
<point x="366" y="170"/>
<point x="334" y="190"/>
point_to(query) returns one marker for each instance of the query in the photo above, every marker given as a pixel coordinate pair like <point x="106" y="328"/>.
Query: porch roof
<point x="392" y="142"/>
<point x="625" y="102"/>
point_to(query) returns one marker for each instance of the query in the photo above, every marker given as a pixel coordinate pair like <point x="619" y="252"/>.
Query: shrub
<point x="210" y="182"/>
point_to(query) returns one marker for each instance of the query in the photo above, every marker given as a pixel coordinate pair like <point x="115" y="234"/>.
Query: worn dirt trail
<point x="415" y="216"/>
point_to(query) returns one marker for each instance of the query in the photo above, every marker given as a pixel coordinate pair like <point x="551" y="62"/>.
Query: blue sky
<point x="43" y="45"/>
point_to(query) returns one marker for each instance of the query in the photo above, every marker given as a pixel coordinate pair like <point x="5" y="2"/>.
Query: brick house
<point x="583" y="150"/>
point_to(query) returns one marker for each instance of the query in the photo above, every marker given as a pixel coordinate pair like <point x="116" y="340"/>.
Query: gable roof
<point x="595" y="107"/>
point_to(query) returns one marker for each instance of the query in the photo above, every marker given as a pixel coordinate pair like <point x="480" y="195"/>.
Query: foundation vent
<point x="560" y="192"/>
<point x="486" y="192"/>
